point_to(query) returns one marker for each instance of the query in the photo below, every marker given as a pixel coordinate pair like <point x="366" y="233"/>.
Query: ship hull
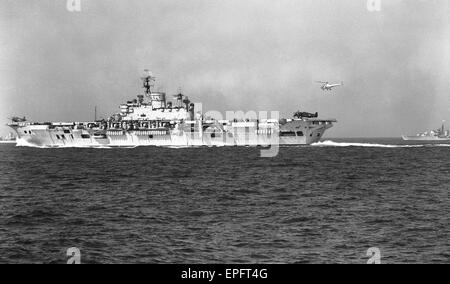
<point x="289" y="134"/>
<point x="426" y="138"/>
<point x="8" y="141"/>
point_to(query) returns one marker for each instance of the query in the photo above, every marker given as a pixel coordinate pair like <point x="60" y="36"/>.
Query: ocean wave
<point x="24" y="143"/>
<point x="327" y="143"/>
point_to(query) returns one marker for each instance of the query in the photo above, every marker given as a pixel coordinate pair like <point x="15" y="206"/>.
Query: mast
<point x="148" y="81"/>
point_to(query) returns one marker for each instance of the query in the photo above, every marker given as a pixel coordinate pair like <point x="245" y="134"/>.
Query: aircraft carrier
<point x="152" y="120"/>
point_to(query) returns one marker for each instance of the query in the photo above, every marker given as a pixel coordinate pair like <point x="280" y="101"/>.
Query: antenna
<point x="95" y="113"/>
<point x="179" y="97"/>
<point x="148" y="79"/>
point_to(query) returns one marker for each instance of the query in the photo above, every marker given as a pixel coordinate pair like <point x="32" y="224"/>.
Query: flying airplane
<point x="328" y="87"/>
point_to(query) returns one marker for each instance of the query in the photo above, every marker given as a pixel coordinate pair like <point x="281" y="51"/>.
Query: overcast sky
<point x="231" y="55"/>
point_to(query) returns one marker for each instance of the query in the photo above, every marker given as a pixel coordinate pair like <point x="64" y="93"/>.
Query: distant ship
<point x="151" y="120"/>
<point x="434" y="135"/>
<point x="10" y="138"/>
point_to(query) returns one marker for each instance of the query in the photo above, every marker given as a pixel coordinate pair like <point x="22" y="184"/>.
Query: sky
<point x="230" y="55"/>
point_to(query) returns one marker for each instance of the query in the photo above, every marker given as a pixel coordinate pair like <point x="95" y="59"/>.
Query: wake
<point x="24" y="143"/>
<point x="329" y="143"/>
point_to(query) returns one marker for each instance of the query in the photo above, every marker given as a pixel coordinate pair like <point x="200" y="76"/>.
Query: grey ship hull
<point x="294" y="132"/>
<point x="8" y="141"/>
<point x="426" y="138"/>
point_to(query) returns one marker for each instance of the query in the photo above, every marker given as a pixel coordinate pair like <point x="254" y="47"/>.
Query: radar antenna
<point x="148" y="82"/>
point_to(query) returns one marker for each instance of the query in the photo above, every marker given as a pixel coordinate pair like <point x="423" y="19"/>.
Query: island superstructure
<point x="152" y="120"/>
